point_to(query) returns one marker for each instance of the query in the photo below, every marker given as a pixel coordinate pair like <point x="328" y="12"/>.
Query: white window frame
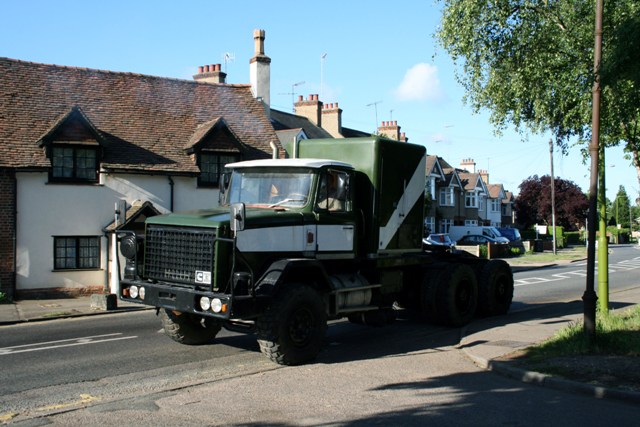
<point x="495" y="205"/>
<point x="447" y="196"/>
<point x="430" y="224"/>
<point x="471" y="199"/>
<point x="471" y="222"/>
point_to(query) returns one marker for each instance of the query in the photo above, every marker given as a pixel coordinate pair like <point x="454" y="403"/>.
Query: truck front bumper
<point x="171" y="297"/>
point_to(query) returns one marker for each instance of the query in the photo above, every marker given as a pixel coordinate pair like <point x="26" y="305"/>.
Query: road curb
<point x="71" y="315"/>
<point x="556" y="383"/>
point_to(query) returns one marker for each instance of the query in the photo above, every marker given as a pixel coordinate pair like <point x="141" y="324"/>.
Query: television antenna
<point x="293" y="94"/>
<point x="375" y="106"/>
<point x="322" y="58"/>
<point x="227" y="58"/>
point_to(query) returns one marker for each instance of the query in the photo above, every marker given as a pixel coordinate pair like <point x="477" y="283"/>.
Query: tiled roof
<point x="470" y="180"/>
<point x="495" y="191"/>
<point x="354" y="133"/>
<point x="146" y="121"/>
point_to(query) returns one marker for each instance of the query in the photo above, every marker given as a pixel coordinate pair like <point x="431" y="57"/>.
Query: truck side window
<point x="332" y="193"/>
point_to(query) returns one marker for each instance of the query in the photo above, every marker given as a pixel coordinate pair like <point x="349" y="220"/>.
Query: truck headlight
<point x="216" y="305"/>
<point x="205" y="303"/>
<point x="133" y="291"/>
<point x="129" y="247"/>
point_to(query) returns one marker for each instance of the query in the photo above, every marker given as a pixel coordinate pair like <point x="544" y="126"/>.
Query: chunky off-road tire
<point x="495" y="288"/>
<point x="428" y="288"/>
<point x="291" y="330"/>
<point x="188" y="328"/>
<point x="454" y="296"/>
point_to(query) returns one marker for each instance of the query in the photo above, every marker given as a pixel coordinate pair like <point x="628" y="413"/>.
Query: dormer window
<point x="74" y="163"/>
<point x="74" y="147"/>
<point x="212" y="166"/>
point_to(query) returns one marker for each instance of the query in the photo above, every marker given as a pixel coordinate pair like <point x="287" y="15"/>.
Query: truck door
<point x="334" y="210"/>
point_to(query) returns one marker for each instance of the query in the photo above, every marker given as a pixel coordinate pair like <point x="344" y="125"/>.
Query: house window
<point x="495" y="205"/>
<point x="445" y="224"/>
<point x="447" y="196"/>
<point x="211" y="167"/>
<point x="429" y="225"/>
<point x="471" y="199"/>
<point x="431" y="187"/>
<point x="74" y="163"/>
<point x="76" y="253"/>
<point x="471" y="222"/>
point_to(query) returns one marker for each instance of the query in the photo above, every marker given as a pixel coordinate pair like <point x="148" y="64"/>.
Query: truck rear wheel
<point x="291" y="330"/>
<point x="188" y="328"/>
<point x="495" y="288"/>
<point x="451" y="296"/>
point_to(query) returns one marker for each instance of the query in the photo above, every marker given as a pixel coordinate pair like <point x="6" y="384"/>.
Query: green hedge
<point x="574" y="238"/>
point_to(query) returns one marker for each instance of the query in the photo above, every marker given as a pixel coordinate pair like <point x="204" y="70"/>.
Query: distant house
<point x="75" y="142"/>
<point x="508" y="215"/>
<point x="494" y="204"/>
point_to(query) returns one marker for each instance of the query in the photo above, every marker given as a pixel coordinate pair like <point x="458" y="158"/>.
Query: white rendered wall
<point x="46" y="210"/>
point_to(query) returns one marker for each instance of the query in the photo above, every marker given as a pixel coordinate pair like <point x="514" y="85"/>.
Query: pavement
<point x="484" y="341"/>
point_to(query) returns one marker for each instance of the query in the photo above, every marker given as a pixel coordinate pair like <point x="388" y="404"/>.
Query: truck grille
<point x="175" y="254"/>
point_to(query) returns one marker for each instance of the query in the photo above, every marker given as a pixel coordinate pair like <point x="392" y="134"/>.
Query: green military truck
<point x="333" y="232"/>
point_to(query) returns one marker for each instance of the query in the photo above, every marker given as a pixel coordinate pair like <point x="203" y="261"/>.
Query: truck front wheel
<point x="189" y="329"/>
<point x="291" y="330"/>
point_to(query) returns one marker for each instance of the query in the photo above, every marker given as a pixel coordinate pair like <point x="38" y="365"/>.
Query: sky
<point x="378" y="59"/>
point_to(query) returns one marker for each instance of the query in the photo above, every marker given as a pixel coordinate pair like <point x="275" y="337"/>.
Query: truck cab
<point x="309" y="202"/>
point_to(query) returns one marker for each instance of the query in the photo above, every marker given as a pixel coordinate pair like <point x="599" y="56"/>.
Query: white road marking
<point x="49" y="345"/>
<point x="626" y="265"/>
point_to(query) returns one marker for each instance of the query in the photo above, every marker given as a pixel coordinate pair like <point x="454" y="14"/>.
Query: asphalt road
<point x="58" y="363"/>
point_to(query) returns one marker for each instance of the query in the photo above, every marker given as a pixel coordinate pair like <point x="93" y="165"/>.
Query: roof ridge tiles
<point x="126" y="73"/>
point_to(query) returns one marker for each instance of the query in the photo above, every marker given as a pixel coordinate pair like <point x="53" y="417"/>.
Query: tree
<point x="620" y="208"/>
<point x="530" y="64"/>
<point x="533" y="204"/>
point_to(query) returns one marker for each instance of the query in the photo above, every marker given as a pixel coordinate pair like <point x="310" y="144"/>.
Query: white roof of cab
<point x="308" y="163"/>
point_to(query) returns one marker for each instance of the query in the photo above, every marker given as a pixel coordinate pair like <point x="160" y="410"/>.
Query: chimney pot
<point x="206" y="68"/>
<point x="200" y="69"/>
<point x="336" y="105"/>
<point x="300" y="98"/>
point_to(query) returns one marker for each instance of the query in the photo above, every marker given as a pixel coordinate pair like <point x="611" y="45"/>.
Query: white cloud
<point x="420" y="83"/>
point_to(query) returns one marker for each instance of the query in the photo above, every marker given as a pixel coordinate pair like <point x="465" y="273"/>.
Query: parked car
<point x="438" y="243"/>
<point x="458" y="231"/>
<point x="477" y="239"/>
<point x="515" y="240"/>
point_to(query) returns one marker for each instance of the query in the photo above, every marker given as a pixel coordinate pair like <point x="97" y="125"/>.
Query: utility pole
<point x="553" y="197"/>
<point x="603" y="241"/>
<point x="589" y="297"/>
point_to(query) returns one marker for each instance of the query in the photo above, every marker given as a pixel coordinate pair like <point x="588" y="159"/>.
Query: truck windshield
<point x="270" y="188"/>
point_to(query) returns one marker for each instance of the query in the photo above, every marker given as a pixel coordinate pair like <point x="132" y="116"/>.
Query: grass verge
<point x="617" y="333"/>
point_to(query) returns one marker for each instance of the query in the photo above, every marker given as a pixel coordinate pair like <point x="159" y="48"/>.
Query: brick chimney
<point x="469" y="165"/>
<point x="332" y="119"/>
<point x="260" y="70"/>
<point x="484" y="174"/>
<point x="210" y="74"/>
<point x="311" y="109"/>
<point x="390" y="129"/>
